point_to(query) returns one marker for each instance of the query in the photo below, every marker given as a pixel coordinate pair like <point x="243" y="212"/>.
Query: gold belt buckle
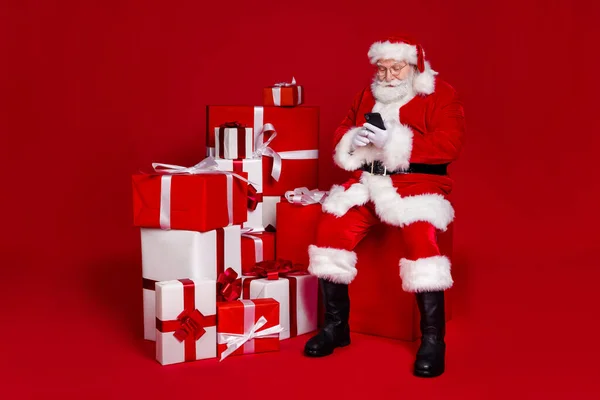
<point x="373" y="168"/>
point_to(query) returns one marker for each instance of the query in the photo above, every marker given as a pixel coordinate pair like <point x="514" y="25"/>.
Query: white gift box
<point x="253" y="167"/>
<point x="302" y="314"/>
<point x="178" y="254"/>
<point x="186" y="320"/>
<point x="231" y="143"/>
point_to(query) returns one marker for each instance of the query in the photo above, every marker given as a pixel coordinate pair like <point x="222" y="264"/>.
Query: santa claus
<point x="399" y="177"/>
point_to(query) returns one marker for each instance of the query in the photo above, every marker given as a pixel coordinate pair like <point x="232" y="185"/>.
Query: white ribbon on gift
<point x="305" y="197"/>
<point x="235" y="340"/>
<point x="206" y="166"/>
<point x="276" y="90"/>
<point x="258" y="243"/>
<point x="263" y="149"/>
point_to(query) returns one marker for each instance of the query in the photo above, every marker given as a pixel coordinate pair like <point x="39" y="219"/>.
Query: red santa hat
<point x="404" y="48"/>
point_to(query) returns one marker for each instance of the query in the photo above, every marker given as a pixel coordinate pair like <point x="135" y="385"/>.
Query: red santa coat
<point x="428" y="129"/>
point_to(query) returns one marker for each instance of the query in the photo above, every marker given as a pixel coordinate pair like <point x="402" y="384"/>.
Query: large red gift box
<point x="189" y="202"/>
<point x="379" y="306"/>
<point x="296" y="230"/>
<point x="296" y="141"/>
<point x="247" y="326"/>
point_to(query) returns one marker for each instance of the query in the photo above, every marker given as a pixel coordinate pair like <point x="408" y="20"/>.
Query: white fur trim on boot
<point x="339" y="201"/>
<point x="426" y="274"/>
<point x="396" y="152"/>
<point x="335" y="265"/>
<point x="399" y="211"/>
<point x="352" y="159"/>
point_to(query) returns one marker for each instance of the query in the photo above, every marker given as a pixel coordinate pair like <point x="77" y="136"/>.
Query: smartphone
<point x="375" y="120"/>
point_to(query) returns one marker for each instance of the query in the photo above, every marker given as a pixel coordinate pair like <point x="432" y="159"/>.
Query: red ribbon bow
<point x="231" y="124"/>
<point x="229" y="287"/>
<point x="191" y="323"/>
<point x="253" y="197"/>
<point x="273" y="269"/>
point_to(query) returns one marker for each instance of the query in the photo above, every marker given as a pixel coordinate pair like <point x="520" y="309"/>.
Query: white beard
<point x="399" y="90"/>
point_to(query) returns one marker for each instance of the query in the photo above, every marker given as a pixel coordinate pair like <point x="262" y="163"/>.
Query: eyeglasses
<point x="394" y="70"/>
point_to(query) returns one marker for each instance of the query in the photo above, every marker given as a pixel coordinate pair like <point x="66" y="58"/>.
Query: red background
<point x="92" y="91"/>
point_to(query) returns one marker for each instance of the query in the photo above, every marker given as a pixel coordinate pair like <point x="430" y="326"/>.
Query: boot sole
<point x="318" y="354"/>
<point x="428" y="374"/>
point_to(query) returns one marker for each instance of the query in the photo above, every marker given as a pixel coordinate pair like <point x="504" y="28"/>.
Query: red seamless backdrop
<point x="92" y="91"/>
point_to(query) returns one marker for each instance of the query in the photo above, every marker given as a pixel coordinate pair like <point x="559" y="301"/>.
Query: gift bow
<point x="191" y="323"/>
<point x="253" y="198"/>
<point x="305" y="197"/>
<point x="293" y="83"/>
<point x="263" y="149"/>
<point x="206" y="166"/>
<point x="231" y="124"/>
<point x="235" y="340"/>
<point x="273" y="269"/>
<point x="229" y="287"/>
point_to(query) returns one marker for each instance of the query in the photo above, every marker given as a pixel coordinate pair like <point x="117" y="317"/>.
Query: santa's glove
<point x="360" y="139"/>
<point x="377" y="136"/>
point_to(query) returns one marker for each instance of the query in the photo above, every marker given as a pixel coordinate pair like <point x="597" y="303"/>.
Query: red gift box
<point x="247" y="326"/>
<point x="285" y="95"/>
<point x="197" y="202"/>
<point x="379" y="305"/>
<point x="293" y="150"/>
<point x="257" y="247"/>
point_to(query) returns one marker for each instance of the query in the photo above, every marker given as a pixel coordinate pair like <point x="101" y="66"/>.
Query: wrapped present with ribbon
<point x="247" y="327"/>
<point x="252" y="167"/>
<point x="257" y="246"/>
<point x="284" y="94"/>
<point x="297" y="219"/>
<point x="233" y="141"/>
<point x="185" y="320"/>
<point x="177" y="254"/>
<point x="198" y="198"/>
<point x="287" y="140"/>
<point x="294" y="289"/>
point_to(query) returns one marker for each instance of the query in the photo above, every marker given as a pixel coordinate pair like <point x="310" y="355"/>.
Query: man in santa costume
<point x="399" y="178"/>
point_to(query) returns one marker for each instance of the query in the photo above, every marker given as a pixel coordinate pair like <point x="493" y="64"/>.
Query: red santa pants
<point x="332" y="257"/>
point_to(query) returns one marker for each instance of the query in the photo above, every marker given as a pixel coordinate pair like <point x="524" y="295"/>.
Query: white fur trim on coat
<point x="399" y="211"/>
<point x="339" y="201"/>
<point x="426" y="274"/>
<point x="335" y="265"/>
<point x="396" y="152"/>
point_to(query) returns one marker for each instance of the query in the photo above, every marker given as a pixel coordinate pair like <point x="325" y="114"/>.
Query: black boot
<point x="335" y="331"/>
<point x="430" y="360"/>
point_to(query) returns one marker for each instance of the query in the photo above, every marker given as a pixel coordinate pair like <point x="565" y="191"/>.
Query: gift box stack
<point x="212" y="283"/>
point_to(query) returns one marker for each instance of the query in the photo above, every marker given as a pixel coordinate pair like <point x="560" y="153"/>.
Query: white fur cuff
<point x="345" y="157"/>
<point x="335" y="265"/>
<point x="426" y="274"/>
<point x="339" y="201"/>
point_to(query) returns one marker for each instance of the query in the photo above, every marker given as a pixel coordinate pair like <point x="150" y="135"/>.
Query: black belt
<point x="377" y="168"/>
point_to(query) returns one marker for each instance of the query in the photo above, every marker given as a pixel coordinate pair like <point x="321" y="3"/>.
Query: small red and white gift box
<point x="283" y="94"/>
<point x="177" y="254"/>
<point x="247" y="326"/>
<point x="185" y="320"/>
<point x="233" y="141"/>
<point x="295" y="290"/>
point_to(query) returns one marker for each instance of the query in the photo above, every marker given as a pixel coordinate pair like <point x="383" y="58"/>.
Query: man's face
<point x="390" y="70"/>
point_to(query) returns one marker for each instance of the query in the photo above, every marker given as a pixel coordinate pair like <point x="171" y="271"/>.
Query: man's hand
<point x="378" y="137"/>
<point x="360" y="139"/>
